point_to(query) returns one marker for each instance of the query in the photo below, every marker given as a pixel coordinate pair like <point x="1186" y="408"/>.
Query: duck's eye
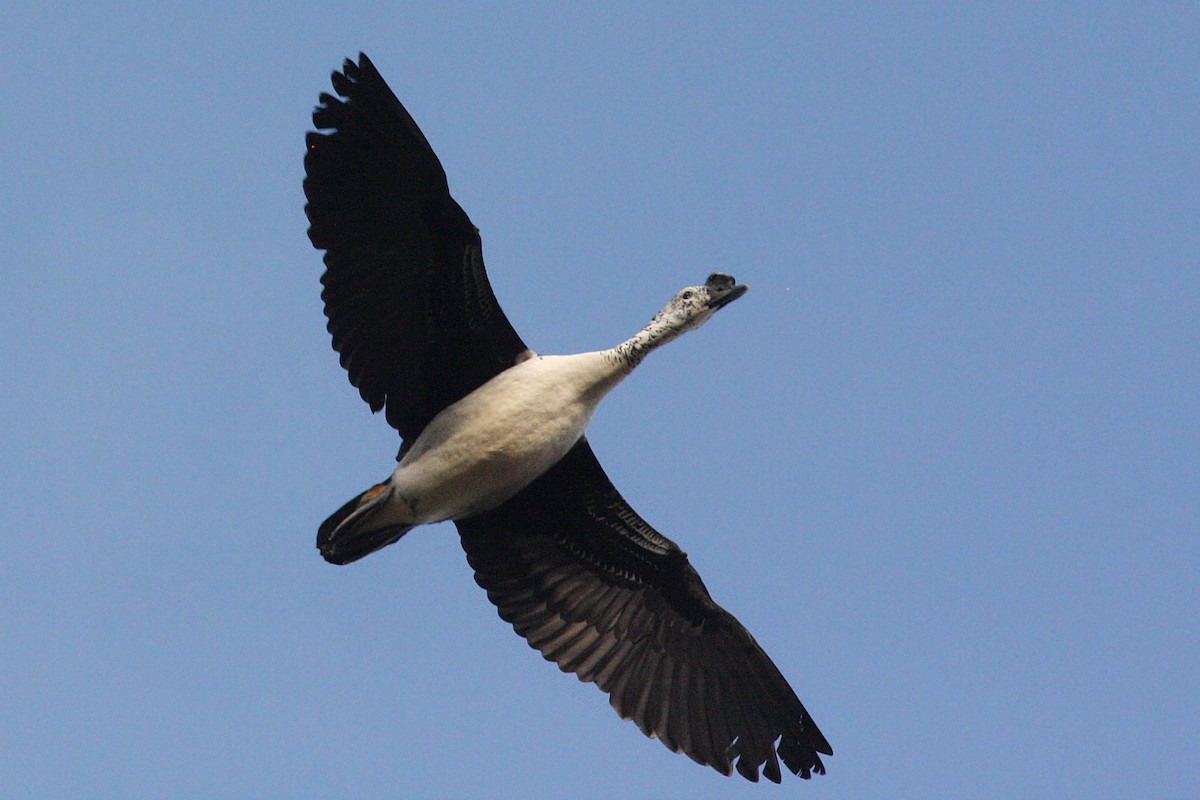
<point x="687" y="295"/>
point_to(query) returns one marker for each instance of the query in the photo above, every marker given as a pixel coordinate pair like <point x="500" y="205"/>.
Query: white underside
<point x="494" y="442"/>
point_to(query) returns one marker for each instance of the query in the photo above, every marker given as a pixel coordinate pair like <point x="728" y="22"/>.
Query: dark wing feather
<point x="409" y="304"/>
<point x="598" y="591"/>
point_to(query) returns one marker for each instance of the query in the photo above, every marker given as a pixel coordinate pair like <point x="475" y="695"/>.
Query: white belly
<point x="494" y="442"/>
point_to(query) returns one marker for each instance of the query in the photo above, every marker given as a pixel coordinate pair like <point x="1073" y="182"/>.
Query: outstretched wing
<point x="409" y="304"/>
<point x="593" y="587"/>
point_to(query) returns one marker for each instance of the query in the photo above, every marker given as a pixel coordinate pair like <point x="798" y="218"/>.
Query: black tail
<point x="348" y="534"/>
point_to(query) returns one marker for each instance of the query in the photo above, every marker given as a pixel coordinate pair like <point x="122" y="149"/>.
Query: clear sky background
<point x="943" y="459"/>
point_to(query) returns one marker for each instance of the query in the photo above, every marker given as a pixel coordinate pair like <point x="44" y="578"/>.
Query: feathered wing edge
<point x="595" y="589"/>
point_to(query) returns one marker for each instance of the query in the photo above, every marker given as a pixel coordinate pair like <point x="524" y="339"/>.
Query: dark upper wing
<point x="409" y="304"/>
<point x="596" y="589"/>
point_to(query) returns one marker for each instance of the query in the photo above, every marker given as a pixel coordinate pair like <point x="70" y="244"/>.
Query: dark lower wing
<point x="597" y="590"/>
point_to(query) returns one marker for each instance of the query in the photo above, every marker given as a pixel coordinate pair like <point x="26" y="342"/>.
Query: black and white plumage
<point x="493" y="439"/>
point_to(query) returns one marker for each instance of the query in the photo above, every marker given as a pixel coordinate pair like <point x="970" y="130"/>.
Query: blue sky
<point x="942" y="459"/>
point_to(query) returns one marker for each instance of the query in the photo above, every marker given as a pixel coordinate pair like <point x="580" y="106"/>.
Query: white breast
<point x="494" y="442"/>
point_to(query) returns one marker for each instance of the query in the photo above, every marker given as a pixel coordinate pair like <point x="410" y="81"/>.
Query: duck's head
<point x="693" y="306"/>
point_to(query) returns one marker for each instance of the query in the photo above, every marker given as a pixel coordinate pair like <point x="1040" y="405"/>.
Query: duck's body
<point x="494" y="439"/>
<point x="482" y="450"/>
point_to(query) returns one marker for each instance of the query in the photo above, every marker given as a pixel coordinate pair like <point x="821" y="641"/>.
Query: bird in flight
<point x="493" y="439"/>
